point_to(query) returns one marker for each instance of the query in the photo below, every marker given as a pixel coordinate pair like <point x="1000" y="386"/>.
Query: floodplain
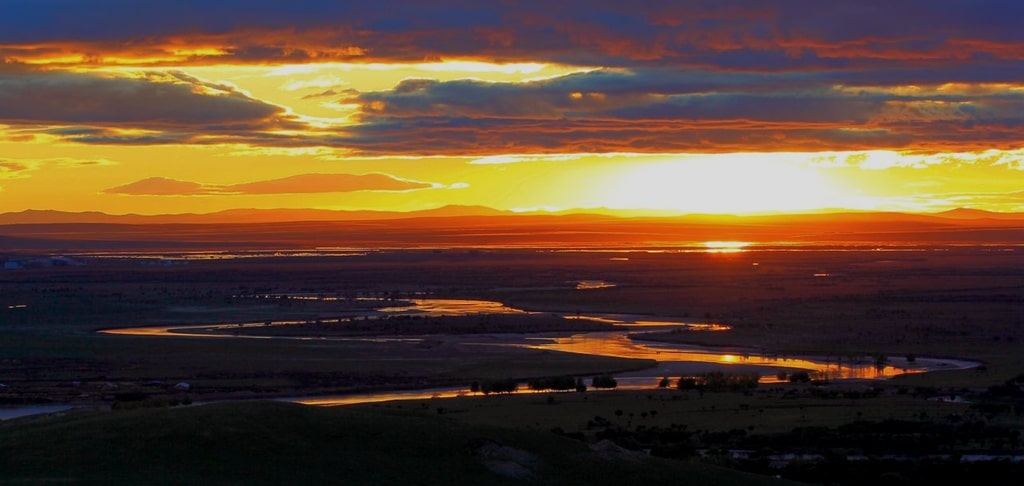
<point x="936" y="329"/>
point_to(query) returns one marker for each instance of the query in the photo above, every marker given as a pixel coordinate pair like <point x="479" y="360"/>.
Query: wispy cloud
<point x="1009" y="202"/>
<point x="298" y="184"/>
<point x="11" y="170"/>
<point x="312" y="183"/>
<point x="884" y="159"/>
<point x="517" y="159"/>
<point x="22" y="168"/>
<point x="161" y="186"/>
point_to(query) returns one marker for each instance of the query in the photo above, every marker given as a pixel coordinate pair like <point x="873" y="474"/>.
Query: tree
<point x="558" y="383"/>
<point x="604" y="381"/>
<point x="499" y="386"/>
<point x="800" y="377"/>
<point x="880" y="360"/>
<point x="686" y="383"/>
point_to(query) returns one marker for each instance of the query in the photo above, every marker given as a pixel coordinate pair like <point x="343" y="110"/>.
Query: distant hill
<point x="968" y="213"/>
<point x="235" y="216"/>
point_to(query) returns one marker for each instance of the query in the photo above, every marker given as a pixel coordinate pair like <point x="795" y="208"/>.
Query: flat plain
<point x="907" y="302"/>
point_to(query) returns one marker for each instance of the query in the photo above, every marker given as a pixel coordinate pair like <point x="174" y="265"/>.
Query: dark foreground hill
<point x="281" y="443"/>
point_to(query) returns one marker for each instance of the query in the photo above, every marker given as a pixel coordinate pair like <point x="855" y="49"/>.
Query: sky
<point x="721" y="106"/>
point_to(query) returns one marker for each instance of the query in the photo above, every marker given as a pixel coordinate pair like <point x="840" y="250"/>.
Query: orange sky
<point x="734" y="108"/>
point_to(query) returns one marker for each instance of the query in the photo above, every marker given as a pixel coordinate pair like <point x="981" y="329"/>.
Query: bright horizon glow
<point x="726" y="245"/>
<point x="311" y="109"/>
<point x="728" y="183"/>
<point x="47" y="175"/>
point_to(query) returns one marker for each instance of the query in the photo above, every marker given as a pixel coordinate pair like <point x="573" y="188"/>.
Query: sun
<point x="728" y="183"/>
<point x="726" y="246"/>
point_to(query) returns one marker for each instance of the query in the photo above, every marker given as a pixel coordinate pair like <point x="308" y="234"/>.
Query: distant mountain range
<point x="230" y="216"/>
<point x="33" y="216"/>
<point x="473" y="226"/>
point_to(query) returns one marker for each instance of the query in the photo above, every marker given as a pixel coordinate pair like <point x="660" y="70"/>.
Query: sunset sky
<point x="158" y="106"/>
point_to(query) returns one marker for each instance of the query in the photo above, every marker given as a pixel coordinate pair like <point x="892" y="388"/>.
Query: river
<point x="626" y="341"/>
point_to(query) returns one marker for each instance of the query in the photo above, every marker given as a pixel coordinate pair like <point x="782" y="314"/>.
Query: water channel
<point x="625" y="341"/>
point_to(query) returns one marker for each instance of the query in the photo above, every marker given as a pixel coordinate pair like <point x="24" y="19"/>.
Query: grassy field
<point x="768" y="410"/>
<point x="93" y="367"/>
<point x="276" y="443"/>
<point x="957" y="302"/>
<point x="845" y="434"/>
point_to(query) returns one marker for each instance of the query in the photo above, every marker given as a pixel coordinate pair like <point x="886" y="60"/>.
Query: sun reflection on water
<point x="726" y="246"/>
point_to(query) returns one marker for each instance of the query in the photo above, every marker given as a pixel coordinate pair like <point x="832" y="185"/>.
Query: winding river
<point x="673" y="360"/>
<point x="625" y="341"/>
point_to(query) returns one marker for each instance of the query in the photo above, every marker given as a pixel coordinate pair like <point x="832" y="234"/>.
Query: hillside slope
<point x="281" y="443"/>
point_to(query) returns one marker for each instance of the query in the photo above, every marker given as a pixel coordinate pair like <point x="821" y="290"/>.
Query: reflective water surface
<point x="674" y="360"/>
<point x="627" y="342"/>
<point x="7" y="413"/>
<point x="452" y="307"/>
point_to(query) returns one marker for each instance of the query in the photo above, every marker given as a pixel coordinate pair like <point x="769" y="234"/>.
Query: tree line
<point x="555" y="383"/>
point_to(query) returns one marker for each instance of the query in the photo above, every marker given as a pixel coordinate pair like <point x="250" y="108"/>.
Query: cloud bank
<point x="722" y="76"/>
<point x="735" y="34"/>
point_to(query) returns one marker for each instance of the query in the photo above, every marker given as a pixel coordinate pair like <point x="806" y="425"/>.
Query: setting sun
<point x="729" y="183"/>
<point x="726" y="246"/>
<point x="571" y="125"/>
